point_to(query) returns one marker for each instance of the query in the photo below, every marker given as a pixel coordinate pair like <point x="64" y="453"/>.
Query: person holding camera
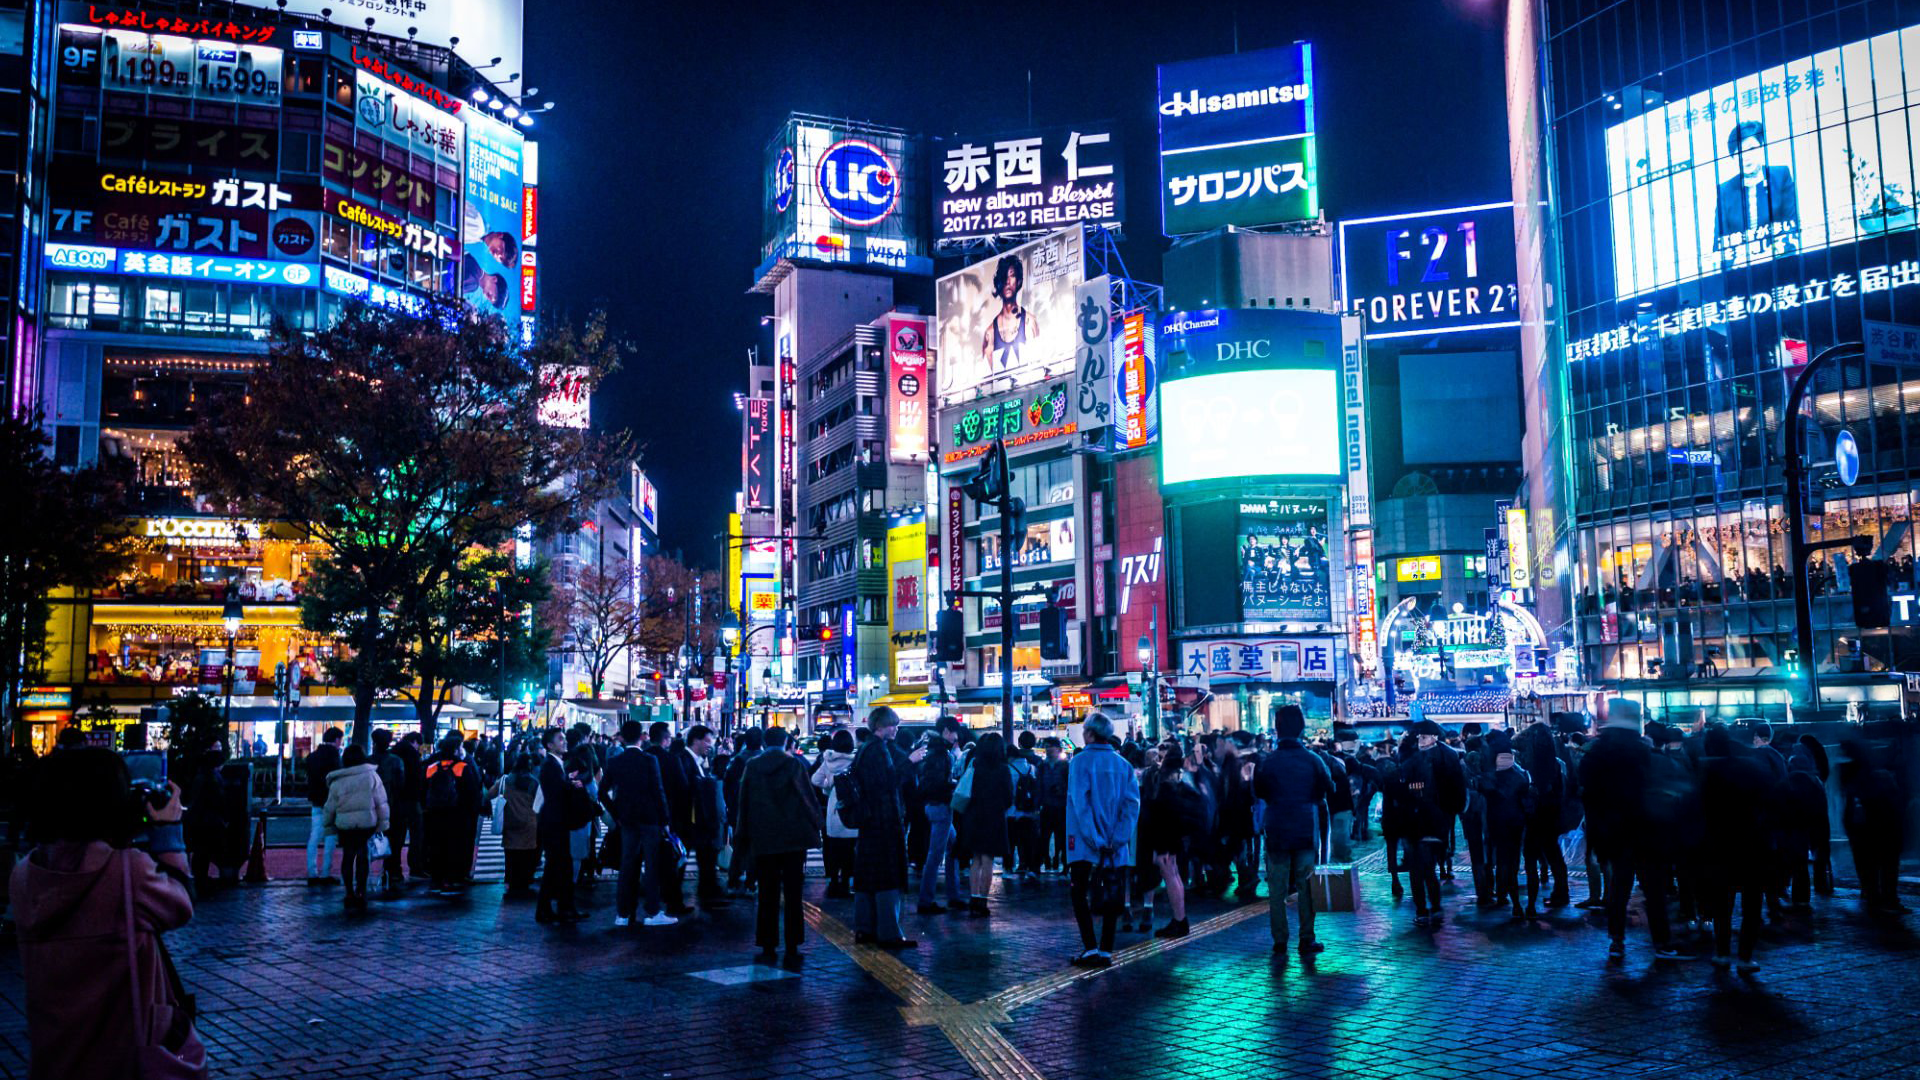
<point x="103" y="998"/>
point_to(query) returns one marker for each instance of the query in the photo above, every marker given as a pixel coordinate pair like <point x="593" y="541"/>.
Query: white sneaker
<point x="622" y="920"/>
<point x="659" y="918"/>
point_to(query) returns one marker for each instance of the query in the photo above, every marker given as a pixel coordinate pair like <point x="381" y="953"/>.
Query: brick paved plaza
<point x="289" y="986"/>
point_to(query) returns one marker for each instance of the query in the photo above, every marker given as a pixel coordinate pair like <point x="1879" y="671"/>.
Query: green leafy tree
<point x="401" y="442"/>
<point x="64" y="528"/>
<point x="463" y="627"/>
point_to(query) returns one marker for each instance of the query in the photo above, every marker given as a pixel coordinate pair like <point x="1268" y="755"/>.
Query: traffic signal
<point x="1053" y="633"/>
<point x="987" y="484"/>
<point x="808" y="631"/>
<point x="949" y="636"/>
<point x="824" y="633"/>
<point x="1872" y="604"/>
<point x="1016" y="511"/>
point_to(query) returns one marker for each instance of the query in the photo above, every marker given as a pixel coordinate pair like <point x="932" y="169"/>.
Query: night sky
<point x="651" y="180"/>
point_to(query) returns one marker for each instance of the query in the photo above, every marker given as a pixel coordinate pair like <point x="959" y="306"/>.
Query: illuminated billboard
<point x="1434" y="272"/>
<point x="1268" y="422"/>
<point x="1028" y="182"/>
<point x="487" y="32"/>
<point x="1008" y="321"/>
<point x="1284" y="569"/>
<point x="1788" y="160"/>
<point x="756" y="464"/>
<point x="1193" y="340"/>
<point x="844" y="194"/>
<point x="566" y="397"/>
<point x="300" y="275"/>
<point x="908" y="415"/>
<point x="1237" y="140"/>
<point x="108" y="206"/>
<point x="490" y="270"/>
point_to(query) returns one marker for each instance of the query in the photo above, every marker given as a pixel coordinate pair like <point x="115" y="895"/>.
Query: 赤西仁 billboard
<point x="1008" y="321"/>
<point x="490" y="266"/>
<point x="844" y="194"/>
<point x="1028" y="182"/>
<point x="1433" y="272"/>
<point x="1237" y="140"/>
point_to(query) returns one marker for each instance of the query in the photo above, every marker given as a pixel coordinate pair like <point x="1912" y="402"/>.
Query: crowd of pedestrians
<point x="1719" y="828"/>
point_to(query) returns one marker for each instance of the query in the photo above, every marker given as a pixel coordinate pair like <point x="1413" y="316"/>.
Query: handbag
<point x="963" y="792"/>
<point x="159" y="1061"/>
<point x="378" y="846"/>
<point x="1106" y="886"/>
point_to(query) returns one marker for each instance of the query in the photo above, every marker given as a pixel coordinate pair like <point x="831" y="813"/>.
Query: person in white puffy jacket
<point x="838" y="854"/>
<point x="356" y="808"/>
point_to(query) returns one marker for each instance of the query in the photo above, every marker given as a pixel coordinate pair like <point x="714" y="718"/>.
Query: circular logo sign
<point x="907" y="338"/>
<point x="372" y="110"/>
<point x="783" y="176"/>
<point x="297" y="275"/>
<point x="909" y="385"/>
<point x="1846" y="457"/>
<point x="293" y="237"/>
<point x="858" y="182"/>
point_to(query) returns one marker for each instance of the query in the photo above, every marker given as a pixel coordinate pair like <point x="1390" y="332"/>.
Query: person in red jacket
<point x="99" y="986"/>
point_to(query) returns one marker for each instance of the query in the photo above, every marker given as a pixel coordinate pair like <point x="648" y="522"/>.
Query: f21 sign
<point x="1434" y="272"/>
<point x="1027" y="182"/>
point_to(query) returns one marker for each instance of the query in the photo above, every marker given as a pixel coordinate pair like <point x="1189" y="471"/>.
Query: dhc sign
<point x="858" y="182"/>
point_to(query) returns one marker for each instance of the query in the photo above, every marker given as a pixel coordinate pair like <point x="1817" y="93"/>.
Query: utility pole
<point x="1006" y="592"/>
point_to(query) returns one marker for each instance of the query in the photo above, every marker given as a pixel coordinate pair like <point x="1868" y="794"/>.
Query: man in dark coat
<point x="697" y="818"/>
<point x="1809" y="828"/>
<point x="880" y="854"/>
<point x="1615" y="773"/>
<point x="674" y="779"/>
<point x="451" y="813"/>
<point x="1734" y="791"/>
<point x="779" y="822"/>
<point x="1295" y="783"/>
<point x="556" y="843"/>
<point x="739" y="874"/>
<point x="324" y="760"/>
<point x="1506" y="793"/>
<point x="630" y="787"/>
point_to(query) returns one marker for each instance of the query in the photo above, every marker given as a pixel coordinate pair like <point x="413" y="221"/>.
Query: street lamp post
<point x="729" y="636"/>
<point x="231" y="617"/>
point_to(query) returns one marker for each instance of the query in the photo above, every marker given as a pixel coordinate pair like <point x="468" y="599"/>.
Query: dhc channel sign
<point x="858" y="182"/>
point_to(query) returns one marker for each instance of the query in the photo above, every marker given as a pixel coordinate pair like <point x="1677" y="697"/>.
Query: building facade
<point x="1731" y="196"/>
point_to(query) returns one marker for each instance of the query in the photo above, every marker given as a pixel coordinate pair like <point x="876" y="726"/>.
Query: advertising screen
<point x="1434" y="272"/>
<point x="1273" y="422"/>
<point x="487" y="32"/>
<point x="908" y="417"/>
<point x="176" y="65"/>
<point x="1028" y="182"/>
<point x="490" y="222"/>
<point x="566" y="399"/>
<point x="1237" y="140"/>
<point x="1008" y="321"/>
<point x="1139" y="549"/>
<point x="1043" y="542"/>
<point x="1284" y="574"/>
<point x="757" y="454"/>
<point x="1791" y="159"/>
<point x="210" y="215"/>
<point x="1136" y="382"/>
<point x="845" y="194"/>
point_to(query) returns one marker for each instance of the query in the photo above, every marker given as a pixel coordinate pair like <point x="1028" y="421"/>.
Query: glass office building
<point x="1734" y="187"/>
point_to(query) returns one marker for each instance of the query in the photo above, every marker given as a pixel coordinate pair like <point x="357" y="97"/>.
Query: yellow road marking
<point x="971" y="1027"/>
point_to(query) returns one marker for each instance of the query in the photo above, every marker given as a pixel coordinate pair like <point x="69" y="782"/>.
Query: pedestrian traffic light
<point x="1872" y="604"/>
<point x="1053" y="633"/>
<point x="987" y="484"/>
<point x="1016" y="511"/>
<point x="949" y="636"/>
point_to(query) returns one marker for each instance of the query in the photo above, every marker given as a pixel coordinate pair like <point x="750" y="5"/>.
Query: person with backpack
<point x="937" y="775"/>
<point x="519" y="832"/>
<point x="324" y="760"/>
<point x="1433" y="785"/>
<point x="871" y="788"/>
<point x="1175" y="812"/>
<point x="1023" y="819"/>
<point x="1053" y="806"/>
<point x="837" y="855"/>
<point x="1507" y="803"/>
<point x="451" y="811"/>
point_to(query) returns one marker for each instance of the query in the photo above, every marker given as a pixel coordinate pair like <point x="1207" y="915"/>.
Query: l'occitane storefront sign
<point x="195" y="615"/>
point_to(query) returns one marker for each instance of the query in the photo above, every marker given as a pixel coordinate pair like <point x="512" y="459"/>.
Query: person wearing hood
<point x="778" y="824"/>
<point x="1808" y="835"/>
<point x="101" y="992"/>
<point x="841" y="837"/>
<point x="1547" y="777"/>
<point x="1507" y="792"/>
<point x="356" y="808"/>
<point x="1615" y="774"/>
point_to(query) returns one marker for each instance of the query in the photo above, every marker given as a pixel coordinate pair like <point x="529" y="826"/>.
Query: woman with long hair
<point x="1548" y="777"/>
<point x="1178" y="813"/>
<point x="981" y="802"/>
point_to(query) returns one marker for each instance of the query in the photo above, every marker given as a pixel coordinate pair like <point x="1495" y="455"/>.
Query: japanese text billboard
<point x="1028" y="182"/>
<point x="490" y="222"/>
<point x="756" y="465"/>
<point x="1435" y="272"/>
<point x="1008" y="321"/>
<point x="1792" y="159"/>
<point x="1237" y="140"/>
<point x="1136" y="383"/>
<point x="484" y="32"/>
<point x="908" y="396"/>
<point x="1140" y="577"/>
<point x="1023" y="420"/>
<point x="1284" y="569"/>
<point x="1093" y="379"/>
<point x="212" y="215"/>
<point x="166" y="63"/>
<point x="566" y="397"/>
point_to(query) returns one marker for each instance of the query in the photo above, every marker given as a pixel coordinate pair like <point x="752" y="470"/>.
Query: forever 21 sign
<point x="1435" y="272"/>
